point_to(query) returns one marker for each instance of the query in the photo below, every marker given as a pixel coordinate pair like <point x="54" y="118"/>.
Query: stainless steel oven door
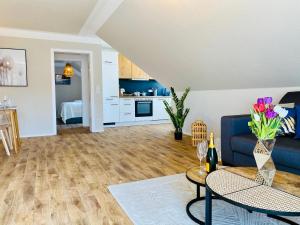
<point x="143" y="108"/>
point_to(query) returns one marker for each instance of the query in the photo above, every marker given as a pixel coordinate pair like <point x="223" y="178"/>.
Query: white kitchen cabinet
<point x="111" y="111"/>
<point x="109" y="57"/>
<point x="159" y="112"/>
<point x="110" y="81"/>
<point x="110" y="84"/>
<point x="127" y="110"/>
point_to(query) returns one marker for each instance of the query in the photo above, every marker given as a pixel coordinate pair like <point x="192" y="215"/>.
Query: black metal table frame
<point x="210" y="194"/>
<point x="197" y="199"/>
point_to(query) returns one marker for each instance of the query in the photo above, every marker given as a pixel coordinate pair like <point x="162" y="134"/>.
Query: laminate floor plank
<point x="64" y="179"/>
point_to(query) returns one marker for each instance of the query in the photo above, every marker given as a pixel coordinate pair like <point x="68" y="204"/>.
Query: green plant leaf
<point x="180" y="115"/>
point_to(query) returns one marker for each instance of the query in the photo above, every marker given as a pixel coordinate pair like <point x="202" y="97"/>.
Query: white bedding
<point x="71" y="110"/>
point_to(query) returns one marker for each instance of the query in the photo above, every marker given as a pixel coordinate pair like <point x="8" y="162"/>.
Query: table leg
<point x="285" y="220"/>
<point x="197" y="199"/>
<point x="208" y="207"/>
<point x="198" y="191"/>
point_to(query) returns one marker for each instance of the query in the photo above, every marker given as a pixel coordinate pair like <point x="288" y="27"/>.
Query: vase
<point x="264" y="162"/>
<point x="178" y="134"/>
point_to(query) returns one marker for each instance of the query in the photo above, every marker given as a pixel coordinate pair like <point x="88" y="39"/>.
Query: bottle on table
<point x="212" y="156"/>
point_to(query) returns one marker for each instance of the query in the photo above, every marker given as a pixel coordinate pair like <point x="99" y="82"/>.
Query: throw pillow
<point x="288" y="127"/>
<point x="298" y="122"/>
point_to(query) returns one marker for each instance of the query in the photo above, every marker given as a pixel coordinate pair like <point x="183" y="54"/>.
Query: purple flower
<point x="260" y="101"/>
<point x="268" y="100"/>
<point x="270" y="114"/>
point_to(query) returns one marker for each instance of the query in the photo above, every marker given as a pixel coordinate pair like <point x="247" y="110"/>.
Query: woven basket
<point x="199" y="132"/>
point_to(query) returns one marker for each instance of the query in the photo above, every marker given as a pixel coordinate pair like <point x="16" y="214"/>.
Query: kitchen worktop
<point x="145" y="96"/>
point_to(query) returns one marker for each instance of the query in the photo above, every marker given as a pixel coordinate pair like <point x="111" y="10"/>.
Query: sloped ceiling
<point x="210" y="44"/>
<point x="64" y="16"/>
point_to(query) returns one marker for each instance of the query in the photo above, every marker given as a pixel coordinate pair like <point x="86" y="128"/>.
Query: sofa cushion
<point x="298" y="122"/>
<point x="286" y="151"/>
<point x="288" y="126"/>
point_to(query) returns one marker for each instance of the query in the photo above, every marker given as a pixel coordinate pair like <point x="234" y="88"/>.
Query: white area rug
<point x="162" y="201"/>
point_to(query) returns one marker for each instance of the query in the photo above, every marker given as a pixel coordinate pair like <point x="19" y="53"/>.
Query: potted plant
<point x="265" y="124"/>
<point x="178" y="116"/>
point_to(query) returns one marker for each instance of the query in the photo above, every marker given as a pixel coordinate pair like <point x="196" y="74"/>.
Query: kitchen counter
<point x="145" y="96"/>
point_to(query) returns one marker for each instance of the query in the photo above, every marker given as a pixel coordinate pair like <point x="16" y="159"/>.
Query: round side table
<point x="198" y="179"/>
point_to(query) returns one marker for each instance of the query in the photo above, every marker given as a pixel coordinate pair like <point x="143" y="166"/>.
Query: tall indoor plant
<point x="178" y="116"/>
<point x="265" y="124"/>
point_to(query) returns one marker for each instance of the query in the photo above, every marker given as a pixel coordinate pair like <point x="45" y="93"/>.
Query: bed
<point x="71" y="112"/>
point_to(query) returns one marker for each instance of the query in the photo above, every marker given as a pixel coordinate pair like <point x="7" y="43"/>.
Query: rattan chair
<point x="5" y="136"/>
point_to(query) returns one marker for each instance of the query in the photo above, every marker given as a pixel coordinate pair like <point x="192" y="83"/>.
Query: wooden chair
<point x="5" y="135"/>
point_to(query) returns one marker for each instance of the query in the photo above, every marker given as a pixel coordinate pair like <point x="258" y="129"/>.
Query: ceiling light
<point x="68" y="70"/>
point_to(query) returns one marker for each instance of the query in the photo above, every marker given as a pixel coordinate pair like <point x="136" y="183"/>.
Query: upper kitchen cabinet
<point x="137" y="73"/>
<point x="129" y="70"/>
<point x="124" y="67"/>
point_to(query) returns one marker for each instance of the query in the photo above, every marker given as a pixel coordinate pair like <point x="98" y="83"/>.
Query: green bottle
<point x="212" y="156"/>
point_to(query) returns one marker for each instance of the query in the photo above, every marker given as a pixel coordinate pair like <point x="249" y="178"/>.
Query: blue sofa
<point x="237" y="142"/>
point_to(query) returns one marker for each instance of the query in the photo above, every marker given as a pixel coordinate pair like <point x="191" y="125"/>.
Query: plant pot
<point x="178" y="134"/>
<point x="264" y="162"/>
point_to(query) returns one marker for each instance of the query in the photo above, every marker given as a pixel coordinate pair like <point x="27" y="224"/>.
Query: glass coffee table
<point x="236" y="186"/>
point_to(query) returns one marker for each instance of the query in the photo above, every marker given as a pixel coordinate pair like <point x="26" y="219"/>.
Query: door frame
<point x="91" y="85"/>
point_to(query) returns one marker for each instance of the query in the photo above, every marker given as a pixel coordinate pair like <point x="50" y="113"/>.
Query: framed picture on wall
<point x="13" y="67"/>
<point x="60" y="79"/>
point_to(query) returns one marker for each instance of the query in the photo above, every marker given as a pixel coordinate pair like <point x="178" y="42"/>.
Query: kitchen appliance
<point x="122" y="91"/>
<point x="143" y="107"/>
<point x="150" y="92"/>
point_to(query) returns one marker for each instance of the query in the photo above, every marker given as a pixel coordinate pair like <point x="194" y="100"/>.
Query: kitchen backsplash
<point x="131" y="86"/>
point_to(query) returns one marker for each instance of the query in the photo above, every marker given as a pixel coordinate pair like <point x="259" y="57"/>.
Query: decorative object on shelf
<point x="61" y="79"/>
<point x="266" y="122"/>
<point x="13" y="67"/>
<point x="68" y="70"/>
<point x="199" y="132"/>
<point x="179" y="116"/>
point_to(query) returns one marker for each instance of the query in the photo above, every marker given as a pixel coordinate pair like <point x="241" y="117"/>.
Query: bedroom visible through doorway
<point x="71" y="91"/>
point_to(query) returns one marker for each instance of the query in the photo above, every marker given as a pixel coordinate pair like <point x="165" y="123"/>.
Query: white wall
<point x="210" y="106"/>
<point x="35" y="102"/>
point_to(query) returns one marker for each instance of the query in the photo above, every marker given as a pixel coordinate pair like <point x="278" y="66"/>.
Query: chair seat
<point x="286" y="151"/>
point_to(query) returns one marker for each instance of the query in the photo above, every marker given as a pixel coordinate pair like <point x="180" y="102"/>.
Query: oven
<point x="143" y="108"/>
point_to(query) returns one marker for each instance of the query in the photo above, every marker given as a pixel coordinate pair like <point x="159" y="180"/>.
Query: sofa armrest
<point x="231" y="126"/>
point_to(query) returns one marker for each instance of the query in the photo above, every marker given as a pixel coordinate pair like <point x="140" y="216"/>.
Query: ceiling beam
<point x="102" y="11"/>
<point x="51" y="36"/>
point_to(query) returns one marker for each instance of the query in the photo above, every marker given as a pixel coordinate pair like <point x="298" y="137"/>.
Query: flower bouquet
<point x="265" y="124"/>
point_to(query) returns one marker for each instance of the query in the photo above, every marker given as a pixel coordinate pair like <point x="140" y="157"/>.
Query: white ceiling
<point x="210" y="44"/>
<point x="62" y="16"/>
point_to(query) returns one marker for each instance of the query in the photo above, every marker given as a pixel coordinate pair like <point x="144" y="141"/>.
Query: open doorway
<point x="72" y="92"/>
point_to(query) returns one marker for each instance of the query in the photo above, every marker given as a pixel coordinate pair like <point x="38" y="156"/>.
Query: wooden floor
<point x="64" y="179"/>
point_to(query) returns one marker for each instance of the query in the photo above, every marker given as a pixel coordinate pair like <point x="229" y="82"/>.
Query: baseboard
<point x="135" y="123"/>
<point x="37" y="135"/>
<point x="187" y="133"/>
